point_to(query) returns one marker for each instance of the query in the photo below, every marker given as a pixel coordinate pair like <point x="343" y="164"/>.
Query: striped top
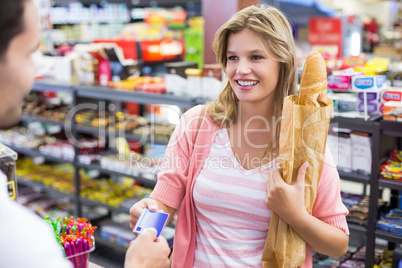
<point x="231" y="215"/>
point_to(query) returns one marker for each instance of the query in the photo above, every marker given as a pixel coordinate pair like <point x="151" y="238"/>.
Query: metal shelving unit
<point x="89" y="202"/>
<point x="373" y="128"/>
<point x="356" y="124"/>
<point x="36" y="153"/>
<point x="355" y="177"/>
<point x="389" y="236"/>
<point x="42" y="187"/>
<point x="129" y="136"/>
<point x="26" y="118"/>
<point x="49" y="85"/>
<point x="395" y="185"/>
<point x="391" y="128"/>
<point x="106" y="93"/>
<point x="358" y="229"/>
<point x="146" y="182"/>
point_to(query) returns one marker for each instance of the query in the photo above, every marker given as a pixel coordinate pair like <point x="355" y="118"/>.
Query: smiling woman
<point x="221" y="173"/>
<point x="252" y="72"/>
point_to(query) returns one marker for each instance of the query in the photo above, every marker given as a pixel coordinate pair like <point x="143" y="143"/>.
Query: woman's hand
<point x="137" y="208"/>
<point x="286" y="200"/>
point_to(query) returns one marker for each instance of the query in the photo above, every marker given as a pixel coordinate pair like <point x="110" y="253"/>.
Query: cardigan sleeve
<point x="172" y="179"/>
<point x="328" y="206"/>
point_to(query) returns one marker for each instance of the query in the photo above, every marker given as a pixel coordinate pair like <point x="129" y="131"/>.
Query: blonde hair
<point x="272" y="27"/>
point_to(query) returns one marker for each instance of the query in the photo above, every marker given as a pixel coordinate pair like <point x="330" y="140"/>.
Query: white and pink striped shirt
<point x="231" y="214"/>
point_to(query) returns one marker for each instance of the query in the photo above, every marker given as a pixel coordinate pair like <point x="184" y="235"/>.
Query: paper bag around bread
<point x="304" y="128"/>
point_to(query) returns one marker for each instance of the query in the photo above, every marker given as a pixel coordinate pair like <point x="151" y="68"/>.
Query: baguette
<point x="313" y="84"/>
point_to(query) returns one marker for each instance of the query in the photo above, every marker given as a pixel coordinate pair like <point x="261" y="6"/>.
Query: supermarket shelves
<point x="355" y="177"/>
<point x="49" y="85"/>
<point x="26" y="118"/>
<point x="106" y="93"/>
<point x="36" y="153"/>
<point x="42" y="187"/>
<point x="357" y="229"/>
<point x="100" y="240"/>
<point x="395" y="185"/>
<point x="88" y="202"/>
<point x="107" y="254"/>
<point x="97" y="131"/>
<point x="145" y="182"/>
<point x="356" y="124"/>
<point x="391" y="128"/>
<point x="389" y="236"/>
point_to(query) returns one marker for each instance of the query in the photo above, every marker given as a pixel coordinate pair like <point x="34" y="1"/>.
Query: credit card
<point x="151" y="219"/>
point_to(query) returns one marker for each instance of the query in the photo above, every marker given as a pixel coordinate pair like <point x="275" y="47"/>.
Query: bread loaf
<point x="313" y="84"/>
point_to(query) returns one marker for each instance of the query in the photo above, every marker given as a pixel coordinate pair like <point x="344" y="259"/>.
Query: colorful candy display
<point x="392" y="167"/>
<point x="75" y="237"/>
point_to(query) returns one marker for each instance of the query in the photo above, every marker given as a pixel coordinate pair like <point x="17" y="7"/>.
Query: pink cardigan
<point x="183" y="162"/>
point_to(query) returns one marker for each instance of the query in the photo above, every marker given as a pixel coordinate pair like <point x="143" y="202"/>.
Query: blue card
<point x="150" y="219"/>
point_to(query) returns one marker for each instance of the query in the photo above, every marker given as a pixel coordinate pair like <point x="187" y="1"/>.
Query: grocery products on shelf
<point x="392" y="167"/>
<point x="60" y="177"/>
<point x="391" y="222"/>
<point x="358" y="213"/>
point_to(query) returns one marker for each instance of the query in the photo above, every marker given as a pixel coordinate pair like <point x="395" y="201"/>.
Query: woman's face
<point x="251" y="71"/>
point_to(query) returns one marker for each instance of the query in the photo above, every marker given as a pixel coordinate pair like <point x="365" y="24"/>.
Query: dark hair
<point x="11" y="22"/>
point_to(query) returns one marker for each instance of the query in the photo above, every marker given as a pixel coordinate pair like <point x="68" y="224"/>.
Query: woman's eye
<point x="256" y="57"/>
<point x="232" y="58"/>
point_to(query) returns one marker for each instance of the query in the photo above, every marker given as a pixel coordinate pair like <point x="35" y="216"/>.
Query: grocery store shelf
<point x="356" y="124"/>
<point x="128" y="136"/>
<point x="36" y="153"/>
<point x="50" y="85"/>
<point x="101" y="241"/>
<point x="389" y="236"/>
<point x="95" y="203"/>
<point x="355" y="177"/>
<point x="26" y="118"/>
<point x="395" y="185"/>
<point x="107" y="93"/>
<point x="107" y="254"/>
<point x="145" y="182"/>
<point x="42" y="187"/>
<point x="357" y="229"/>
<point x="391" y="128"/>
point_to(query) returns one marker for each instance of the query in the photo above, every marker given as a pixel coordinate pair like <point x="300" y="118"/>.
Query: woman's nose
<point x="243" y="67"/>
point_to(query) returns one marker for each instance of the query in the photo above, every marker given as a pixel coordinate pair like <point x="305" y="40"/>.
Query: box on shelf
<point x="341" y="80"/>
<point x="370" y="96"/>
<point x="393" y="111"/>
<point x="338" y="82"/>
<point x="211" y="80"/>
<point x="391" y="94"/>
<point x="397" y="82"/>
<point x="371" y="106"/>
<point x="368" y="82"/>
<point x="175" y="77"/>
<point x="340" y="144"/>
<point x="194" y="87"/>
<point x="361" y="152"/>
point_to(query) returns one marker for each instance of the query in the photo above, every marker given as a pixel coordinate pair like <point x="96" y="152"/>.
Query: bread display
<point x="313" y="84"/>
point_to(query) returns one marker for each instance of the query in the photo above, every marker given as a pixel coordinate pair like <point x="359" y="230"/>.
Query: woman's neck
<point x="256" y="116"/>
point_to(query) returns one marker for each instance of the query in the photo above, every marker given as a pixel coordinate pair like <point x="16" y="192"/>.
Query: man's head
<point x="19" y="38"/>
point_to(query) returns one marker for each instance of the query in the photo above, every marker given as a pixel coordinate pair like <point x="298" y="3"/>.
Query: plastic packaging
<point x="7" y="166"/>
<point x="81" y="260"/>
